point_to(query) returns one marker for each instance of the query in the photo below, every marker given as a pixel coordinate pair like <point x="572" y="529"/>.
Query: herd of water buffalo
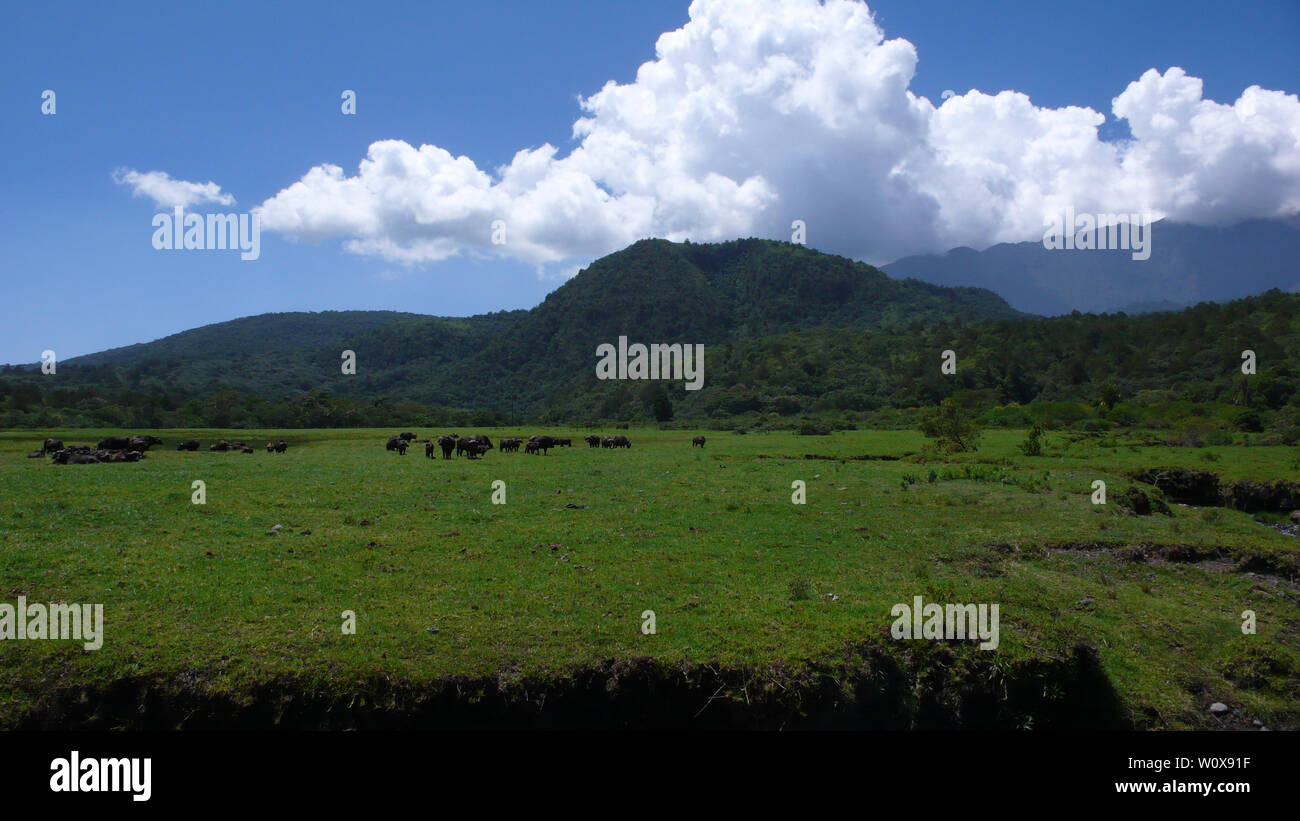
<point x="134" y="448"/>
<point x="476" y="445"/>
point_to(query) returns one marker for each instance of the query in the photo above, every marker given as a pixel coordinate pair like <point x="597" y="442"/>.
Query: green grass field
<point x="447" y="585"/>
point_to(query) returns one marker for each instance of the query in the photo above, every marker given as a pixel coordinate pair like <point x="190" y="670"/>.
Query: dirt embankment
<point x="905" y="685"/>
<point x="1205" y="489"/>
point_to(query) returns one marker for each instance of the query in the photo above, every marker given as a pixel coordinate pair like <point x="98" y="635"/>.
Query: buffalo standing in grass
<point x="281" y="446"/>
<point x="428" y="450"/>
<point x="114" y="443"/>
<point x="698" y="440"/>
<point x="463" y="443"/>
<point x="541" y="443"/>
<point x="396" y="443"/>
<point x="593" y="441"/>
<point x="621" y="441"/>
<point x="448" y="444"/>
<point x="408" y="436"/>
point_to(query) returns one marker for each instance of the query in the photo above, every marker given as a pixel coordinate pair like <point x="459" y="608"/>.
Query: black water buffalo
<point x="428" y="450"/>
<point x="462" y="444"/>
<point x="407" y="435"/>
<point x="52" y="445"/>
<point x="620" y="441"/>
<point x="541" y="443"/>
<point x="473" y="448"/>
<point x="36" y="454"/>
<point x="564" y="443"/>
<point x="188" y="444"/>
<point x="219" y="446"/>
<point x="448" y="443"/>
<point x="281" y="446"/>
<point x="142" y="443"/>
<point x="531" y="446"/>
<point x="593" y="441"/>
<point x="698" y="440"/>
<point x="396" y="443"/>
<point x="114" y="443"/>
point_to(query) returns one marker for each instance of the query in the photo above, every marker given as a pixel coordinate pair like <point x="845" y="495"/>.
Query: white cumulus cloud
<point x="757" y="113"/>
<point x="167" y="192"/>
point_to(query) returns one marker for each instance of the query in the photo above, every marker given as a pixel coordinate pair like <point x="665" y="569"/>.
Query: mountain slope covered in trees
<point x="789" y="334"/>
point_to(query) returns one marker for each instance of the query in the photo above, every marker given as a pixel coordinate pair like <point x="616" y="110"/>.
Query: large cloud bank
<point x="757" y="113"/>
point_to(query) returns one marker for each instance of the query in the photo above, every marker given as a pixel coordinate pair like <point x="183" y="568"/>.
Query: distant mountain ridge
<point x="1188" y="264"/>
<point x="652" y="291"/>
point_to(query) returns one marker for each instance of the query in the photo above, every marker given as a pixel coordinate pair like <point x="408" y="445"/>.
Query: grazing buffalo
<point x="428" y="450"/>
<point x="541" y="443"/>
<point x="564" y="443"/>
<point x="593" y="441"/>
<point x="699" y="440"/>
<point x="531" y="447"/>
<point x="620" y="441"/>
<point x="52" y="445"/>
<point x="463" y="443"/>
<point x="448" y="443"/>
<point x="396" y="443"/>
<point x="114" y="443"/>
<point x="188" y="444"/>
<point x="36" y="454"/>
<point x="473" y="448"/>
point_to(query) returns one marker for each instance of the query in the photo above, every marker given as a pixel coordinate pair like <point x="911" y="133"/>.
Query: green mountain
<point x="789" y="333"/>
<point x="519" y="362"/>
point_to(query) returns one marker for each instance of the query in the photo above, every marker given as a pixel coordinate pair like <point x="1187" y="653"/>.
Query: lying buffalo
<point x="52" y="445"/>
<point x="698" y="440"/>
<point x="85" y="455"/>
<point x="219" y="446"/>
<point x="188" y="444"/>
<point x="36" y="454"/>
<point x="142" y="443"/>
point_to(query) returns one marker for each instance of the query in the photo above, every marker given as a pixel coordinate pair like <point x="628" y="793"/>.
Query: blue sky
<point x="248" y="97"/>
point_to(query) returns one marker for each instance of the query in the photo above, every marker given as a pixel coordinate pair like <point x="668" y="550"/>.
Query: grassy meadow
<point x="445" y="584"/>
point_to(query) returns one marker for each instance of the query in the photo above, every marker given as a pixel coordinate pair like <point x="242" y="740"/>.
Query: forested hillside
<point x="790" y="335"/>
